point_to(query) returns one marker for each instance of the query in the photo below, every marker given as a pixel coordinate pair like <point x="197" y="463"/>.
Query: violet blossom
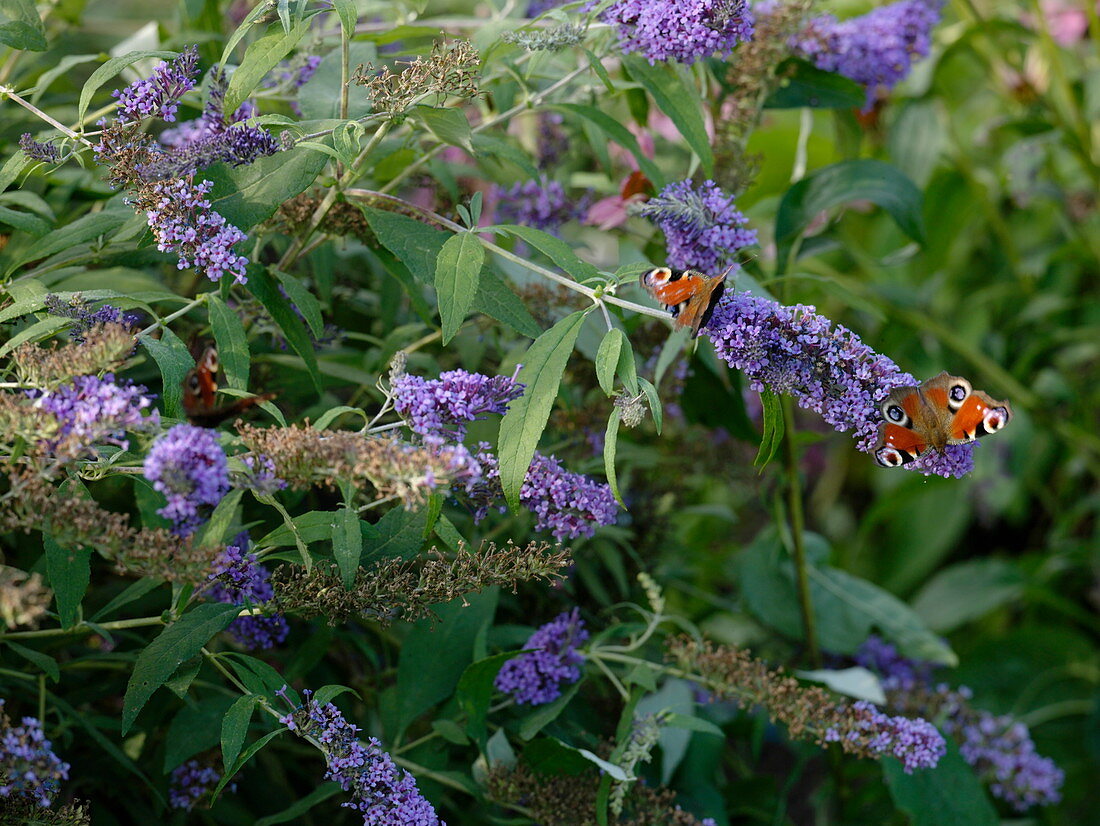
<point x="536" y="677"/>
<point x="680" y="30"/>
<point x="159" y="94"/>
<point x="539" y="202"/>
<point x="189" y="783"/>
<point x="238" y="578"/>
<point x="189" y="467"/>
<point x="85" y="318"/>
<point x="94" y="410"/>
<point x="28" y="765"/>
<point x="444" y="406"/>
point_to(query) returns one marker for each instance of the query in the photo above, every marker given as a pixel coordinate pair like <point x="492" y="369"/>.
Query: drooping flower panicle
<point x="190" y="783"/>
<point x="825" y="367"/>
<point x="679" y="30"/>
<point x="703" y="228"/>
<point x="538" y="202"/>
<point x="189" y="467"/>
<point x="86" y="318"/>
<point x="381" y="792"/>
<point x="876" y="49"/>
<point x="238" y="578"/>
<point x="92" y="410"/>
<point x="536" y="678"/>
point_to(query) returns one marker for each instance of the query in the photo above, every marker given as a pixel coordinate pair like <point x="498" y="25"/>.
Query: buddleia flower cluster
<point x="85" y="318"/>
<point x="444" y="406"/>
<point x="189" y="467"/>
<point x="28" y="766"/>
<point x="679" y="30"/>
<point x="703" y="228"/>
<point x="381" y="792"/>
<point x="238" y="578"/>
<point x="999" y="748"/>
<point x="536" y="677"/>
<point x="826" y="368"/>
<point x="190" y="783"/>
<point x="538" y="202"/>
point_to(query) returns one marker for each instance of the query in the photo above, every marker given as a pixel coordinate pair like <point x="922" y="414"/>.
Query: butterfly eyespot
<point x="193" y="382"/>
<point x="958" y="393"/>
<point x="995" y="419"/>
<point x="895" y="414"/>
<point x="889" y="457"/>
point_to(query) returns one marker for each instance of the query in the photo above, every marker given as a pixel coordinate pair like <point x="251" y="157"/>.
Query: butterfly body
<point x="945" y="410"/>
<point x="688" y="294"/>
<point x="200" y="388"/>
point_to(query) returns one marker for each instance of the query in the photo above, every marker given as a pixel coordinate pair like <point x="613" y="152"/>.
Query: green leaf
<point x="497" y="300"/>
<point x="235" y="727"/>
<point x="437" y="651"/>
<point x="544" y="715"/>
<point x="450" y="126"/>
<point x="488" y="147"/>
<point x="522" y="425"/>
<point x="690" y="723"/>
<point x="304" y="804"/>
<point x="213" y="533"/>
<point x="553" y="248"/>
<point x="475" y="691"/>
<point x="21" y="27"/>
<point x="550" y="756"/>
<point x="967" y="591"/>
<point x="416" y="245"/>
<point x="655" y="408"/>
<point x="180" y="682"/>
<point x="610" y="444"/>
<point x="13" y="168"/>
<point x="675" y="95"/>
<point x="347" y="544"/>
<point x="194" y="729"/>
<point x="111" y="69"/>
<point x="260" y="58"/>
<point x="232" y="342"/>
<point x="841" y="183"/>
<point x="24" y="221"/>
<point x="852" y="682"/>
<point x="69" y="572"/>
<point x="133" y="592"/>
<point x="947" y="795"/>
<point x="457" y="275"/>
<point x="36" y="332"/>
<point x="607" y="359"/>
<point x="175" y="361"/>
<point x="618" y="133"/>
<point x="806" y="86"/>
<point x="348" y="14"/>
<point x="399" y="533"/>
<point x="78" y="232"/>
<point x="45" y="662"/>
<point x="774" y="428"/>
<point x="261" y="285"/>
<point x="246" y="755"/>
<point x="304" y="300"/>
<point x="63" y="68"/>
<point x="176" y="644"/>
<point x="626" y="369"/>
<point x="248" y="195"/>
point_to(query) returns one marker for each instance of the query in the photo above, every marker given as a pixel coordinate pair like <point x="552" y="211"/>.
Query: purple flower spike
<point x="826" y="368"/>
<point x="98" y="410"/>
<point x="189" y="783"/>
<point x="239" y="579"/>
<point x="916" y="742"/>
<point x="183" y="222"/>
<point x="443" y="406"/>
<point x="158" y="95"/>
<point x="536" y="677"/>
<point x="188" y="466"/>
<point x="381" y="792"/>
<point x="703" y="228"/>
<point x="540" y="203"/>
<point x="681" y="30"/>
<point x="876" y="49"/>
<point x="28" y="766"/>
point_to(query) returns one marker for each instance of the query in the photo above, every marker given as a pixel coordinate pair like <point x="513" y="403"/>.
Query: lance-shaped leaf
<point x="457" y="275"/>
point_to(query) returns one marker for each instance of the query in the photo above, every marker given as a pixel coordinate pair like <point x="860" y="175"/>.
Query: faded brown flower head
<point x="24" y="598"/>
<point x="105" y="346"/>
<point x="451" y="69"/>
<point x="552" y="38"/>
<point x="632" y="408"/>
<point x="304" y="457"/>
<point x="26" y="811"/>
<point x="342" y="218"/>
<point x="396" y="588"/>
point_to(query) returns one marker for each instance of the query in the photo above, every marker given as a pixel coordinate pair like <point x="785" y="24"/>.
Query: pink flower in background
<point x="608" y="213"/>
<point x="1067" y="20"/>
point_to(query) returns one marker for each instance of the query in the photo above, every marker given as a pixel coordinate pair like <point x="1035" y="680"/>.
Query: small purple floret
<point x="28" y="766"/>
<point x="680" y="30"/>
<point x="158" y="95"/>
<point x="189" y="467"/>
<point x="98" y="410"/>
<point x="444" y="406"/>
<point x="238" y="578"/>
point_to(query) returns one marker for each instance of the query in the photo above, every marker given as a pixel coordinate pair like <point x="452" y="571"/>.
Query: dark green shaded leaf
<point x="774" y="428"/>
<point x="475" y="691"/>
<point x="676" y="96"/>
<point x="607" y="359"/>
<point x="79" y="231"/>
<point x="232" y="342"/>
<point x="347" y="544"/>
<point x="246" y="755"/>
<point x="841" y="183"/>
<point x="304" y="300"/>
<point x="69" y="572"/>
<point x="967" y="591"/>
<point x="45" y="662"/>
<point x="194" y="729"/>
<point x="621" y="135"/>
<point x="248" y="195"/>
<point x="526" y="418"/>
<point x="175" y="645"/>
<point x="488" y="147"/>
<point x="261" y="285"/>
<point x="234" y="727"/>
<point x="457" y="275"/>
<point x="416" y="245"/>
<point x="553" y="248"/>
<point x="497" y="300"/>
<point x="947" y="795"/>
<point x="610" y="445"/>
<point x="544" y="715"/>
<point x="303" y="805"/>
<point x="21" y="27"/>
<point x="261" y="57"/>
<point x="399" y="533"/>
<point x="448" y="125"/>
<point x="805" y="85"/>
<point x="175" y="361"/>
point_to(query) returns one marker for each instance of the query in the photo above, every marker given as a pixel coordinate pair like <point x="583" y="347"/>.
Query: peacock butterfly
<point x="200" y="388"/>
<point x="945" y="410"/>
<point x="688" y="294"/>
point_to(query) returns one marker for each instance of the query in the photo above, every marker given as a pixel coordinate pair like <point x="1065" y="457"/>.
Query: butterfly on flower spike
<point x="945" y="410"/>
<point x="688" y="294"/>
<point x="200" y="388"/>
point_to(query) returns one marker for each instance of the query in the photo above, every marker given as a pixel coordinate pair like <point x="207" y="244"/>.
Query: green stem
<point x="83" y="628"/>
<point x="798" y="544"/>
<point x="65" y="130"/>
